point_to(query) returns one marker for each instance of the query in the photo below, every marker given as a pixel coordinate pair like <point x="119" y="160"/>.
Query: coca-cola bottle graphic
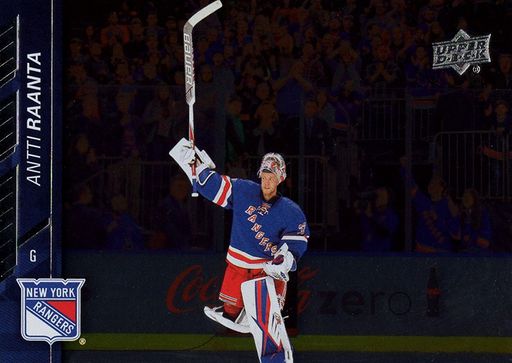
<point x="433" y="294"/>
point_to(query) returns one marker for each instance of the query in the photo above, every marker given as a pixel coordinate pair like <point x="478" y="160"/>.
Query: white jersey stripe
<point x="224" y="202"/>
<point x="296" y="238"/>
<point x="219" y="192"/>
<point x="224" y="296"/>
<point x="224" y="192"/>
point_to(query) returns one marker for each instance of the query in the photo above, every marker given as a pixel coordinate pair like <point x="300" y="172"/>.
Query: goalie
<point x="268" y="236"/>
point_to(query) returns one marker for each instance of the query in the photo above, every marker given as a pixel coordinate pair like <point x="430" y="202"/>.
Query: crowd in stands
<point x="264" y="69"/>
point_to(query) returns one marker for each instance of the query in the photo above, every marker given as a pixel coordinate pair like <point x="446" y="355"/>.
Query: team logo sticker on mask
<point x="461" y="52"/>
<point x="50" y="309"/>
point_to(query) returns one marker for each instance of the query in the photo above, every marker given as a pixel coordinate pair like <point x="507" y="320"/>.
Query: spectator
<point x="396" y="44"/>
<point x="205" y="110"/>
<point x="497" y="150"/>
<point x="347" y="69"/>
<point x="383" y="73"/>
<point x="96" y="65"/>
<point x="123" y="127"/>
<point x="169" y="62"/>
<point x="229" y="57"/>
<point x="228" y="36"/>
<point x="310" y="68"/>
<point x="235" y="131"/>
<point x="328" y="51"/>
<point x="420" y="78"/>
<point x="135" y="48"/>
<point x="123" y="233"/>
<point x="152" y="28"/>
<point x="76" y="54"/>
<point x="349" y="32"/>
<point x="90" y="36"/>
<point x="379" y="221"/>
<point x="158" y="123"/>
<point x="114" y="33"/>
<point x="242" y="36"/>
<point x="84" y="160"/>
<point x="214" y="43"/>
<point x="267" y="54"/>
<point x="82" y="84"/>
<point x="400" y="12"/>
<point x="206" y="91"/>
<point x="281" y="82"/>
<point x="476" y="223"/>
<point x="122" y="74"/>
<point x="502" y="77"/>
<point x="377" y="14"/>
<point x="173" y="219"/>
<point x="170" y="24"/>
<point x="500" y="120"/>
<point x="264" y="135"/>
<point x="252" y="64"/>
<point x="326" y="110"/>
<point x="435" y="33"/>
<point x="318" y="14"/>
<point x="146" y="87"/>
<point x="223" y="77"/>
<point x="90" y="122"/>
<point x="347" y="104"/>
<point x="124" y="13"/>
<point x="83" y="226"/>
<point x="297" y="82"/>
<point x="437" y="215"/>
<point x="179" y="109"/>
<point x="427" y="16"/>
<point x="316" y="131"/>
<point x="449" y="15"/>
<point x="246" y="90"/>
<point x="352" y="7"/>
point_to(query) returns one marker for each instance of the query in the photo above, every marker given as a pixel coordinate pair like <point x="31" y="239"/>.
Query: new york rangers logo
<point x="50" y="309"/>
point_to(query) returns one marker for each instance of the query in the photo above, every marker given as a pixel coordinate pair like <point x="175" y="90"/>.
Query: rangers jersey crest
<point x="50" y="309"/>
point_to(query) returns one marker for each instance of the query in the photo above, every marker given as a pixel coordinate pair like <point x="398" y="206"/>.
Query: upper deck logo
<point x="50" y="309"/>
<point x="462" y="51"/>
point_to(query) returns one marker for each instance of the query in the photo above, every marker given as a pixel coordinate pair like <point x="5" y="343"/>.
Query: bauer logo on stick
<point x="50" y="309"/>
<point x="461" y="52"/>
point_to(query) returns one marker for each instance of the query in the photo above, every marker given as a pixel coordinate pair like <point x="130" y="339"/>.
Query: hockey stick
<point x="190" y="83"/>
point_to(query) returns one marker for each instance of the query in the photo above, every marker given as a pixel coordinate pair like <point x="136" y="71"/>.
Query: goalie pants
<point x="231" y="293"/>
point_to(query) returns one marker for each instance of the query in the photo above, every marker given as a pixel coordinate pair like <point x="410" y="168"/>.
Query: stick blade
<point x="203" y="13"/>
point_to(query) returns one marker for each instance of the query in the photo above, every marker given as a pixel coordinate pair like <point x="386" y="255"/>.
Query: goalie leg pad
<point x="265" y="320"/>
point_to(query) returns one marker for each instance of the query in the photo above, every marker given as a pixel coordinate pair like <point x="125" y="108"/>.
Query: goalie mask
<point x="274" y="163"/>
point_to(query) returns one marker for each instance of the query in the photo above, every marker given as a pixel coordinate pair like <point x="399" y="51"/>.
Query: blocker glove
<point x="191" y="155"/>
<point x="185" y="156"/>
<point x="282" y="263"/>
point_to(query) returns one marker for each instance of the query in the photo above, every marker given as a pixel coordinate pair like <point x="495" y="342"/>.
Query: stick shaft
<point x="190" y="84"/>
<point x="192" y="139"/>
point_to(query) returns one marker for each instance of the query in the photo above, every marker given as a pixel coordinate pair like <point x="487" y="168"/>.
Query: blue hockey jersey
<point x="259" y="227"/>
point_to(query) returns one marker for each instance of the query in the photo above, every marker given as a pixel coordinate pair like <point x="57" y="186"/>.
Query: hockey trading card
<point x="212" y="181"/>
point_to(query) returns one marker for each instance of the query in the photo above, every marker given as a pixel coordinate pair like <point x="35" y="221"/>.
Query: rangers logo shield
<point x="50" y="309"/>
